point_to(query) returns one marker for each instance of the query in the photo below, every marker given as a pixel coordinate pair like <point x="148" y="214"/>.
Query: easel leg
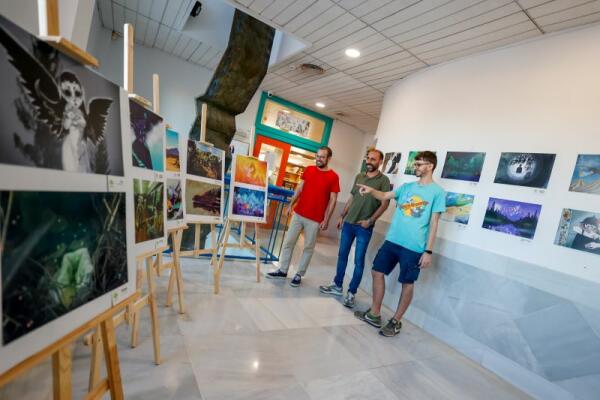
<point x="196" y="238"/>
<point x="177" y="269"/>
<point x="257" y="251"/>
<point x="135" y="326"/>
<point x="61" y="373"/>
<point x="169" y="302"/>
<point x="153" y="309"/>
<point x="113" y="370"/>
<point x="96" y="359"/>
<point x="217" y="271"/>
<point x="214" y="244"/>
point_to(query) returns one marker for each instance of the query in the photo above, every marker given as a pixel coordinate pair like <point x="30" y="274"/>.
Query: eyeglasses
<point x="420" y="164"/>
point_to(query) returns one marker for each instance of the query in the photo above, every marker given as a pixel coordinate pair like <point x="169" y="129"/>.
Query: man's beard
<point x="321" y="164"/>
<point x="373" y="167"/>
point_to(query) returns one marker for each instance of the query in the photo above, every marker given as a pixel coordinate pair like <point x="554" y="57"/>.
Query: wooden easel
<point x="174" y="265"/>
<point x="61" y="354"/>
<point x="224" y="245"/>
<point x="196" y="251"/>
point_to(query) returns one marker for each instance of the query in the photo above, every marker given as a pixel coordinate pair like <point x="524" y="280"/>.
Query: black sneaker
<point x="392" y="328"/>
<point x="296" y="281"/>
<point x="277" y="274"/>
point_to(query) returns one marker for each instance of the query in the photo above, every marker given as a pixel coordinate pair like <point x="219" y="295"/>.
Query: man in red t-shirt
<point x="316" y="196"/>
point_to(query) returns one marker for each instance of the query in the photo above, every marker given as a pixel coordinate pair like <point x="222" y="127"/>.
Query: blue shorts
<point x="390" y="254"/>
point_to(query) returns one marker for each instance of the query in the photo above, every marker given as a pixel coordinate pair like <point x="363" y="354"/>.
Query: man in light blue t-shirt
<point x="409" y="240"/>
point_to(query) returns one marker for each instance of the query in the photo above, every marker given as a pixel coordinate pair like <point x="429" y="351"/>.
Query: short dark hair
<point x="376" y="151"/>
<point x="428" y="156"/>
<point x="329" y="152"/>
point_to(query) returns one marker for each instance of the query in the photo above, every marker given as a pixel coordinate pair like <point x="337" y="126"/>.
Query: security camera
<point x="270" y="94"/>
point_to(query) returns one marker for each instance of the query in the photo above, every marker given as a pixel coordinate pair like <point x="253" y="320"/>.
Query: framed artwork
<point x="54" y="112"/>
<point x="464" y="166"/>
<point x="203" y="201"/>
<point x="391" y="163"/>
<point x="205" y="161"/>
<point x="172" y="151"/>
<point x="525" y="169"/>
<point x="579" y="230"/>
<point x="586" y="175"/>
<point x="248" y="190"/>
<point x="512" y="217"/>
<point x="458" y="207"/>
<point x="61" y="251"/>
<point x="410" y="163"/>
<point x="174" y="200"/>
<point x="147" y="138"/>
<point x="148" y="199"/>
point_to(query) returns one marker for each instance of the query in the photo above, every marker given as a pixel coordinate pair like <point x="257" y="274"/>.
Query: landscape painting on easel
<point x="248" y="202"/>
<point x="204" y="161"/>
<point x="61" y="251"/>
<point x="173" y="164"/>
<point x="174" y="203"/>
<point x="54" y="112"/>
<point x="147" y="138"/>
<point x="250" y="170"/>
<point x="248" y="190"/>
<point x="586" y="176"/>
<point x="203" y="201"/>
<point x="148" y="199"/>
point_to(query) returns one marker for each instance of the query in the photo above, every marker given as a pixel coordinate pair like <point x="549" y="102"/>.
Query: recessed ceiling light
<point x="352" y="53"/>
<point x="320" y="105"/>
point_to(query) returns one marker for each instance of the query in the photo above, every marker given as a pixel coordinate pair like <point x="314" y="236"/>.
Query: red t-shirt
<point x="318" y="185"/>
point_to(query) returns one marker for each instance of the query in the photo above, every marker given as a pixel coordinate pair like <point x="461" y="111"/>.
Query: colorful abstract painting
<point x="579" y="230"/>
<point x="525" y="169"/>
<point x="512" y="217"/>
<point x="149" y="209"/>
<point x="586" y="176"/>
<point x="174" y="208"/>
<point x="391" y="163"/>
<point x="251" y="171"/>
<point x="464" y="166"/>
<point x="54" y="112"/>
<point x="147" y="138"/>
<point x="172" y="152"/>
<point x="61" y="251"/>
<point x="248" y="202"/>
<point x="202" y="198"/>
<point x="204" y="161"/>
<point x="458" y="207"/>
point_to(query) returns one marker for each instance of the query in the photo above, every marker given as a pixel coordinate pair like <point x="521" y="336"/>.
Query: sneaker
<point x="277" y="274"/>
<point x="349" y="300"/>
<point x="296" y="281"/>
<point x="369" y="318"/>
<point x="331" y="289"/>
<point x="392" y="328"/>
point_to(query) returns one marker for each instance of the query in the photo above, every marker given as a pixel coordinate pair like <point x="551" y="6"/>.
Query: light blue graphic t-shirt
<point x="415" y="203"/>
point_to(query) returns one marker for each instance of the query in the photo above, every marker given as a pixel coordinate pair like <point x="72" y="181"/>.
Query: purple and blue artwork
<point x="248" y="202"/>
<point x="512" y="217"/>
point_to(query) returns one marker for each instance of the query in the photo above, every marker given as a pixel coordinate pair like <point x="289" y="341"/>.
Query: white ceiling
<point x="395" y="37"/>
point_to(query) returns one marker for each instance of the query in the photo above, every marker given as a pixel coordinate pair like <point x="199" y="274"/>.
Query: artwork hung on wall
<point x="410" y="164"/>
<point x="172" y="152"/>
<point x="54" y="112"/>
<point x="147" y="138"/>
<point x="248" y="202"/>
<point x="291" y="123"/>
<point x="586" y="176"/>
<point x="512" y="217"/>
<point x="149" y="210"/>
<point x="250" y="170"/>
<point x="464" y="166"/>
<point x="525" y="169"/>
<point x="204" y="161"/>
<point x="391" y="163"/>
<point x="458" y="207"/>
<point x="237" y="147"/>
<point x="248" y="190"/>
<point x="203" y="200"/>
<point x="61" y="251"/>
<point x="579" y="230"/>
<point x="174" y="197"/>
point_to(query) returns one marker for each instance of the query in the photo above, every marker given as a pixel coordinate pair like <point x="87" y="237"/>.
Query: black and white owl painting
<point x="55" y="113"/>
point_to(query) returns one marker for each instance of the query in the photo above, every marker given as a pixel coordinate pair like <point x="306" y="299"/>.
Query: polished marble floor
<point x="270" y="341"/>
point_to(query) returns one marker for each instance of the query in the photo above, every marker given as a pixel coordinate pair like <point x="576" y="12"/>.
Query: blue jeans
<point x="363" y="236"/>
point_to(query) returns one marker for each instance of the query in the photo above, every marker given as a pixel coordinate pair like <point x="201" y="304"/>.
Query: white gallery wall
<point x="542" y="96"/>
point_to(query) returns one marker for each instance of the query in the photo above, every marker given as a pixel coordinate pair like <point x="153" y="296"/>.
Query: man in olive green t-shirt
<point x="356" y="221"/>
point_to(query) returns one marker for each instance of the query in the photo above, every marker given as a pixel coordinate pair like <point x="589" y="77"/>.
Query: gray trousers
<point x="311" y="229"/>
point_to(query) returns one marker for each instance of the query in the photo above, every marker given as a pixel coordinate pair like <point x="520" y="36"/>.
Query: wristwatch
<point x="429" y="252"/>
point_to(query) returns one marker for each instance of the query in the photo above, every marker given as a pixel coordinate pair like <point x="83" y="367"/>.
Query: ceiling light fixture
<point x="352" y="53"/>
<point x="320" y="105"/>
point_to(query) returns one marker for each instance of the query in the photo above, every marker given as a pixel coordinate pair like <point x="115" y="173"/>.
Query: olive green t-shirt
<point x="364" y="206"/>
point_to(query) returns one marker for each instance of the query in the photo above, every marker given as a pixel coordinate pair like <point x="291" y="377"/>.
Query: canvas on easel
<point x="248" y="190"/>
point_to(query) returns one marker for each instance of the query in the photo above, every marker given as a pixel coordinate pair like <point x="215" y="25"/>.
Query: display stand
<point x="175" y="266"/>
<point x="60" y="351"/>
